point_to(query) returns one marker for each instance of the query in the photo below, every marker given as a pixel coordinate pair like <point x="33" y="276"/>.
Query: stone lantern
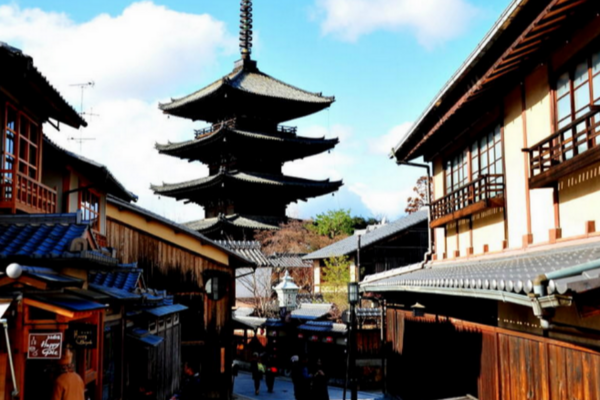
<point x="286" y="291"/>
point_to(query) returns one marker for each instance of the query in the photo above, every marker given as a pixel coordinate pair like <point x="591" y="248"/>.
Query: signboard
<point x="47" y="346"/>
<point x="84" y="335"/>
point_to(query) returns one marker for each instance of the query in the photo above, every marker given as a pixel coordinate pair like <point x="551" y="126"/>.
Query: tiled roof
<point x="303" y="145"/>
<point x="251" y="177"/>
<point x="38" y="241"/>
<point x="254" y="82"/>
<point x="52" y="277"/>
<point x="506" y="273"/>
<point x="289" y="260"/>
<point x="311" y="311"/>
<point x="249" y="249"/>
<point x="54" y="105"/>
<point x="184" y="227"/>
<point x="237" y="220"/>
<point x="350" y="244"/>
<point x="253" y="251"/>
<point x="97" y="173"/>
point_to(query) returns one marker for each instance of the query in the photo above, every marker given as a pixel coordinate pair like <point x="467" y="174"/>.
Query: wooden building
<point x="382" y="247"/>
<point x="198" y="272"/>
<point x="59" y="222"/>
<point x="511" y="295"/>
<point x="245" y="148"/>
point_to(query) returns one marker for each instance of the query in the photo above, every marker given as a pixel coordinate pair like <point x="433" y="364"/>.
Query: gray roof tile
<point x="350" y="244"/>
<point x="510" y="273"/>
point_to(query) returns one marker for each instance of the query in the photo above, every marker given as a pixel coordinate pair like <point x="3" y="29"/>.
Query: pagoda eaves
<point x="247" y="91"/>
<point x="208" y="147"/>
<point x="240" y="184"/>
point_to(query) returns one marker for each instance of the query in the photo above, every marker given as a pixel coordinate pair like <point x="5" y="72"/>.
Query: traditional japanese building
<point x="245" y="147"/>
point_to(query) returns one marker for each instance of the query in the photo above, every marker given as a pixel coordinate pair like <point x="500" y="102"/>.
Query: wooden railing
<point x="232" y="123"/>
<point x="20" y="192"/>
<point x="565" y="144"/>
<point x="485" y="187"/>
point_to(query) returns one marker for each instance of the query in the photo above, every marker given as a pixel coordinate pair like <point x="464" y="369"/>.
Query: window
<point x="21" y="139"/>
<point x="90" y="206"/>
<point x="576" y="90"/>
<point x="483" y="157"/>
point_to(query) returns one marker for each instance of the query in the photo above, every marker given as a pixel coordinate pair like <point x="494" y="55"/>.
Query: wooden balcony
<point x="566" y="151"/>
<point x="486" y="192"/>
<point x="18" y="192"/>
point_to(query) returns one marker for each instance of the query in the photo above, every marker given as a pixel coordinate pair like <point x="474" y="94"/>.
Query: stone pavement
<point x="283" y="389"/>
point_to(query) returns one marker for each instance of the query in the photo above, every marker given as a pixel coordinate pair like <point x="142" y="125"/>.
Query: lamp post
<point x="287" y="291"/>
<point x="353" y="297"/>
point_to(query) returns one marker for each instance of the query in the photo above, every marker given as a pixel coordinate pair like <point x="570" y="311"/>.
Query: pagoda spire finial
<point x="246" y="28"/>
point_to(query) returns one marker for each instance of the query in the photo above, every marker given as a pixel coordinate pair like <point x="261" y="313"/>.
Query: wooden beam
<point x="49" y="307"/>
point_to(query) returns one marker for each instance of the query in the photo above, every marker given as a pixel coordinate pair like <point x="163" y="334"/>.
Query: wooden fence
<point x="436" y="357"/>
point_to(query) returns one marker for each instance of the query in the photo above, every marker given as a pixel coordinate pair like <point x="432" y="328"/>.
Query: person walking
<point x="319" y="382"/>
<point x="301" y="378"/>
<point x="270" y="373"/>
<point x="258" y="369"/>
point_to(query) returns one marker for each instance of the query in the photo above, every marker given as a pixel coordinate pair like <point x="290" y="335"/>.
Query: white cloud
<point x="325" y="165"/>
<point x="137" y="54"/>
<point x="382" y="202"/>
<point x="383" y="145"/>
<point x="135" y="58"/>
<point x="432" y="21"/>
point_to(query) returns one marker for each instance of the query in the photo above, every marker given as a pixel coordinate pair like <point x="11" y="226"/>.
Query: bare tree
<point x="416" y="202"/>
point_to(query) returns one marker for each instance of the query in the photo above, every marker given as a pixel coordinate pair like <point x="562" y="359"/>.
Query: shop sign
<point x="328" y="339"/>
<point x="314" y="338"/>
<point x="84" y="335"/>
<point x="46" y="346"/>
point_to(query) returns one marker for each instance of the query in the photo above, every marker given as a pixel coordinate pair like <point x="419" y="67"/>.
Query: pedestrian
<point x="258" y="369"/>
<point x="301" y="378"/>
<point x="68" y="385"/>
<point x="319" y="382"/>
<point x="190" y="384"/>
<point x="271" y="372"/>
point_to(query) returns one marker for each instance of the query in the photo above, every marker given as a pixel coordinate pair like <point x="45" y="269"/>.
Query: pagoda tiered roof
<point x="278" y="146"/>
<point x="238" y="184"/>
<point x="235" y="221"/>
<point x="247" y="91"/>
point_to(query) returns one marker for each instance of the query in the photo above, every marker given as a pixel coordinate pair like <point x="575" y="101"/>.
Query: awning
<point x="63" y="304"/>
<point x="145" y="337"/>
<point x="166" y="310"/>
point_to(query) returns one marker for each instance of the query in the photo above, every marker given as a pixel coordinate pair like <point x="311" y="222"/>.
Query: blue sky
<point x="383" y="60"/>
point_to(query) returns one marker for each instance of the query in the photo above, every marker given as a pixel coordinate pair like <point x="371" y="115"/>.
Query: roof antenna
<point x="81" y="139"/>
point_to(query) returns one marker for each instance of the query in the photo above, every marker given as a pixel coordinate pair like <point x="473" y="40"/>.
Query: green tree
<point x="333" y="224"/>
<point x="334" y="286"/>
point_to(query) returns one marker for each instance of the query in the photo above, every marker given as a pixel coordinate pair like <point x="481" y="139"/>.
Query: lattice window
<point x="576" y="90"/>
<point x="483" y="157"/>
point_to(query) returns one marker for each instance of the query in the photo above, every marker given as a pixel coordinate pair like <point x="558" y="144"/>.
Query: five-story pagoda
<point x="245" y="147"/>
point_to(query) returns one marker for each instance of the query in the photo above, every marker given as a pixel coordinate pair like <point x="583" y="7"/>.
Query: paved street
<point x="284" y="390"/>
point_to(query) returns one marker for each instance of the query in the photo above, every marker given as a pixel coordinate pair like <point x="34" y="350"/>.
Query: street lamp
<point x="353" y="298"/>
<point x="287" y="291"/>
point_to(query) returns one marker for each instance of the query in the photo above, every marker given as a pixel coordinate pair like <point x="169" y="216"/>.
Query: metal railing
<point x="566" y="143"/>
<point x="18" y="191"/>
<point x="485" y="187"/>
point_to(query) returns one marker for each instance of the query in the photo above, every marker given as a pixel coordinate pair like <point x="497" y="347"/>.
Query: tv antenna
<point x="81" y="139"/>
